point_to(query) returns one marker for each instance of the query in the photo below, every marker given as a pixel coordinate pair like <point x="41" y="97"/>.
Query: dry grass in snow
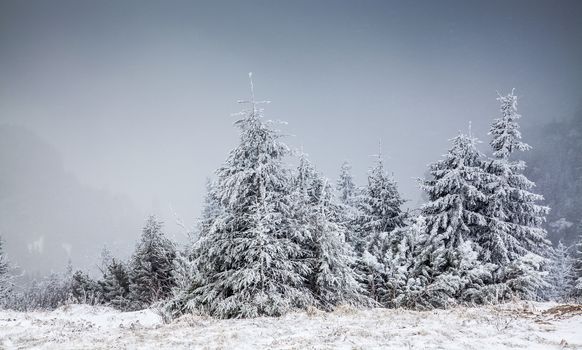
<point x="509" y="326"/>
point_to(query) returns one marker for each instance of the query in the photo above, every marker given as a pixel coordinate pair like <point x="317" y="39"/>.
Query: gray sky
<point x="136" y="96"/>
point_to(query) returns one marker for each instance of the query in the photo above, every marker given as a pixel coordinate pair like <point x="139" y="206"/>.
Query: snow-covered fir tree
<point x="317" y="225"/>
<point x="248" y="259"/>
<point x="446" y="265"/>
<point x="115" y="285"/>
<point x="347" y="192"/>
<point x="345" y="186"/>
<point x="150" y="268"/>
<point x="560" y="277"/>
<point x="514" y="217"/>
<point x="84" y="289"/>
<point x="185" y="278"/>
<point x="379" y="213"/>
<point x="5" y="276"/>
<point x="577" y="266"/>
<point x="185" y="274"/>
<point x="398" y="260"/>
<point x="303" y="198"/>
<point x="306" y="179"/>
<point x="526" y="276"/>
<point x="380" y="206"/>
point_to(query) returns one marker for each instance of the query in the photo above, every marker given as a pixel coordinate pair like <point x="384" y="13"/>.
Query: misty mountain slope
<point x="555" y="165"/>
<point x="509" y="326"/>
<point x="47" y="215"/>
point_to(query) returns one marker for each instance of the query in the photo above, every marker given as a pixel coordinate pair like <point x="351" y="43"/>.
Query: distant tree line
<point x="272" y="238"/>
<point x="556" y="168"/>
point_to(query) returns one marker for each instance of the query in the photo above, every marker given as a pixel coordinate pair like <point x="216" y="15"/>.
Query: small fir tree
<point x="398" y="261"/>
<point x="185" y="278"/>
<point x="560" y="277"/>
<point x="6" y="279"/>
<point x="151" y="265"/>
<point x="335" y="281"/>
<point x="379" y="213"/>
<point x="84" y="289"/>
<point x="115" y="285"/>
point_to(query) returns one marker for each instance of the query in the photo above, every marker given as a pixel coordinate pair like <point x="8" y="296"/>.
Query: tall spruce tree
<point x="514" y="218"/>
<point x="248" y="259"/>
<point x="379" y="213"/>
<point x="446" y="268"/>
<point x="150" y="267"/>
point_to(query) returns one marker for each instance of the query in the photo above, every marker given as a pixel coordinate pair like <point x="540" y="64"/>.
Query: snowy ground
<point x="526" y="326"/>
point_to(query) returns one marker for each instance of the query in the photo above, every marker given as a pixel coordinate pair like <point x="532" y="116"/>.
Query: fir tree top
<point x="345" y="185"/>
<point x="454" y="191"/>
<point x="254" y="169"/>
<point x="505" y="130"/>
<point x="380" y="201"/>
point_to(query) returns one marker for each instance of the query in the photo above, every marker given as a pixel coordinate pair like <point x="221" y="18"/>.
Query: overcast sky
<point x="136" y="96"/>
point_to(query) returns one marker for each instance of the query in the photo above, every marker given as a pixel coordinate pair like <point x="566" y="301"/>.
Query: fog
<point x="113" y="110"/>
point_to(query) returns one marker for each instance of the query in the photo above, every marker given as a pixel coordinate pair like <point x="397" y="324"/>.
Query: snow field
<point x="510" y="326"/>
